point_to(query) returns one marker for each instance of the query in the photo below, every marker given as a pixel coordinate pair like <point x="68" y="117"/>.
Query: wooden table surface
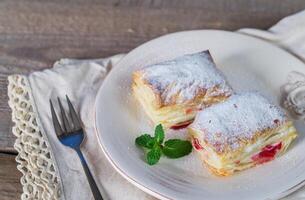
<point x="34" y="34"/>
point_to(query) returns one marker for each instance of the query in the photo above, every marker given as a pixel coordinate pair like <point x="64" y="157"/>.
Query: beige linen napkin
<point x="52" y="171"/>
<point x="80" y="80"/>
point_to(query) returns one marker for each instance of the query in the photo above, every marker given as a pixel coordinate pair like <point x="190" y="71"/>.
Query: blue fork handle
<point x="96" y="193"/>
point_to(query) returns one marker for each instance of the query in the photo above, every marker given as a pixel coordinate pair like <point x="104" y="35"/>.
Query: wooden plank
<point x="6" y="137"/>
<point x="33" y="33"/>
<point x="10" y="187"/>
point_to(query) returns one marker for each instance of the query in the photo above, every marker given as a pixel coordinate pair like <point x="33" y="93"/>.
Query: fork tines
<point x="67" y="127"/>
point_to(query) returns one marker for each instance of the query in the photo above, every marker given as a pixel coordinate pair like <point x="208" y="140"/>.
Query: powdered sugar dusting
<point x="237" y="119"/>
<point x="183" y="78"/>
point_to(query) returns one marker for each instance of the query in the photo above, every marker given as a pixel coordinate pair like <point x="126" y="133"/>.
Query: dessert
<point x="244" y="131"/>
<point x="172" y="92"/>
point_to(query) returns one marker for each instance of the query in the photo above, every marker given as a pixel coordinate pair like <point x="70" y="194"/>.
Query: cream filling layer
<point x="230" y="162"/>
<point x="173" y="114"/>
<point x="167" y="116"/>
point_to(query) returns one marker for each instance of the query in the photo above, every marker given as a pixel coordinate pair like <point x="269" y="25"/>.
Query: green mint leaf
<point x="145" y="141"/>
<point x="153" y="156"/>
<point x="176" y="148"/>
<point x="159" y="134"/>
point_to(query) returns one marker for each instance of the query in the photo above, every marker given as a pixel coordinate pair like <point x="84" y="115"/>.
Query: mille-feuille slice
<point x="172" y="92"/>
<point x="244" y="131"/>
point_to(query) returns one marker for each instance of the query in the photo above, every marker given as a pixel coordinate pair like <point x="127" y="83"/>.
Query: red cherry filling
<point x="267" y="154"/>
<point x="177" y="127"/>
<point x="189" y="110"/>
<point x="196" y="144"/>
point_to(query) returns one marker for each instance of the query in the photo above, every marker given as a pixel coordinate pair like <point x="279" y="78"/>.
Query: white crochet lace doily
<point x="40" y="179"/>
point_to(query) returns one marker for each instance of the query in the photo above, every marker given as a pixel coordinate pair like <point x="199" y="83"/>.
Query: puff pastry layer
<point x="173" y="91"/>
<point x="244" y="131"/>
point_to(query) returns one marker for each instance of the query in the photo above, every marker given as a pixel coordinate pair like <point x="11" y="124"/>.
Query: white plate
<point x="249" y="64"/>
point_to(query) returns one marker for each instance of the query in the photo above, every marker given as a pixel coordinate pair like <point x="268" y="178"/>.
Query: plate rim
<point x="280" y="194"/>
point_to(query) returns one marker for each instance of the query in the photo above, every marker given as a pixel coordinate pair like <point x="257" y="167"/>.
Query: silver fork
<point x="71" y="134"/>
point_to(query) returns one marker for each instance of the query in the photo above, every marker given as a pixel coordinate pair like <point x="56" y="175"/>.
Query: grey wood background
<point x="34" y="34"/>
